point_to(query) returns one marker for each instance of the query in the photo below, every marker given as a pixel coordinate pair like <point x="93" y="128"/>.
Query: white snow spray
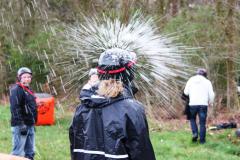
<point x="162" y="68"/>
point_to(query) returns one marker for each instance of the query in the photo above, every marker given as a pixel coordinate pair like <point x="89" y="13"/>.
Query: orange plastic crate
<point x="45" y="109"/>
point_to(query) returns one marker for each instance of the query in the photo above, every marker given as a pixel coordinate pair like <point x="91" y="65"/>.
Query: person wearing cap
<point x="111" y="124"/>
<point x="201" y="95"/>
<point x="23" y="115"/>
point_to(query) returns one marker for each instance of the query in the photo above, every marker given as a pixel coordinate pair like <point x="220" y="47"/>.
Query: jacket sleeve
<point x="211" y="94"/>
<point x="16" y="102"/>
<point x="72" y="133"/>
<point x="85" y="94"/>
<point x="186" y="89"/>
<point x="71" y="139"/>
<point x="75" y="131"/>
<point x="138" y="144"/>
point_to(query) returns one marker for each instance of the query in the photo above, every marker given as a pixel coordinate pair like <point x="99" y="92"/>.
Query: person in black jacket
<point x="110" y="124"/>
<point x="23" y="115"/>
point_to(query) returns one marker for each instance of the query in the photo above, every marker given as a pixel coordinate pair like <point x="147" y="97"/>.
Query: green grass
<point x="52" y="142"/>
<point x="177" y="145"/>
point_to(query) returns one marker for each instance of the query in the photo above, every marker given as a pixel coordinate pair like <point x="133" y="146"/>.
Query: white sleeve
<point x="211" y="94"/>
<point x="186" y="89"/>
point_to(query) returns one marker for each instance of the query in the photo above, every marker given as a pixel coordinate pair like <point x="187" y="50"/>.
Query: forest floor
<point x="221" y="117"/>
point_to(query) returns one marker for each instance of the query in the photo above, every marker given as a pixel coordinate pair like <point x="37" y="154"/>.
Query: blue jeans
<point x="23" y="145"/>
<point x="201" y="111"/>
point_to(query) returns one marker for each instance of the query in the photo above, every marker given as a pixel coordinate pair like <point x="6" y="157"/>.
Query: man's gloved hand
<point x="23" y="129"/>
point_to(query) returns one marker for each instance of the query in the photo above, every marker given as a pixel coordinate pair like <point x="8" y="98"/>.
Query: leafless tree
<point x="232" y="98"/>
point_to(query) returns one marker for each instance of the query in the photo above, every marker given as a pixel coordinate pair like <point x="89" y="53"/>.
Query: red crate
<point x="45" y="108"/>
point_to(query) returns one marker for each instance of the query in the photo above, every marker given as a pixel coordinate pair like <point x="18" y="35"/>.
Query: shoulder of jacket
<point x="209" y="82"/>
<point x="133" y="104"/>
<point x="87" y="87"/>
<point x="15" y="87"/>
<point x="199" y="77"/>
<point x="193" y="77"/>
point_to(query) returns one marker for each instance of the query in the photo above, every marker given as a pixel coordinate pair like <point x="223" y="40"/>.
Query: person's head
<point x="117" y="64"/>
<point x="115" y="68"/>
<point x="93" y="75"/>
<point x="24" y="75"/>
<point x="202" y="72"/>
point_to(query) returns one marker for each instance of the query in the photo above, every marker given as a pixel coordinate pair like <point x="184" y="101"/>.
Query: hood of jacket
<point x="91" y="99"/>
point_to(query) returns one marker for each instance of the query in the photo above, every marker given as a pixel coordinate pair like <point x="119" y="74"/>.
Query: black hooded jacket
<point x="23" y="106"/>
<point x="110" y="129"/>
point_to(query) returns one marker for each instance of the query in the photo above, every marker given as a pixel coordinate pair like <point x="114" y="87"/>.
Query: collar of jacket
<point x="96" y="101"/>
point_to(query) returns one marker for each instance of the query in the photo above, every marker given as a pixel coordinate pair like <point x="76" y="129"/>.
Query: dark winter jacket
<point x="110" y="129"/>
<point x="23" y="106"/>
<point x="87" y="92"/>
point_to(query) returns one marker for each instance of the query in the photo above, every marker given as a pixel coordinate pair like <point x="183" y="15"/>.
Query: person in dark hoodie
<point x="110" y="124"/>
<point x="23" y="115"/>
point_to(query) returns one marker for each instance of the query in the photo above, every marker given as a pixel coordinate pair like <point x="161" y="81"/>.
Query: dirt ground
<point x="221" y="116"/>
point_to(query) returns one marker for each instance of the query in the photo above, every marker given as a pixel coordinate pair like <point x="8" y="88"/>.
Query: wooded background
<point x="212" y="25"/>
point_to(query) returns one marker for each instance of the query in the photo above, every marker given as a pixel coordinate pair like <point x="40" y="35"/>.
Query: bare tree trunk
<point x="160" y="7"/>
<point x="182" y="7"/>
<point x="30" y="22"/>
<point x="230" y="30"/>
<point x="168" y="6"/>
<point x="219" y="8"/>
<point x="183" y="3"/>
<point x="75" y="5"/>
<point x="125" y="8"/>
<point x="174" y="4"/>
<point x="147" y="7"/>
<point x="2" y="68"/>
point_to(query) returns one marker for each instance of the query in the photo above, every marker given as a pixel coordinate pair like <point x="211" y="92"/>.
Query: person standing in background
<point x="23" y="115"/>
<point x="201" y="95"/>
